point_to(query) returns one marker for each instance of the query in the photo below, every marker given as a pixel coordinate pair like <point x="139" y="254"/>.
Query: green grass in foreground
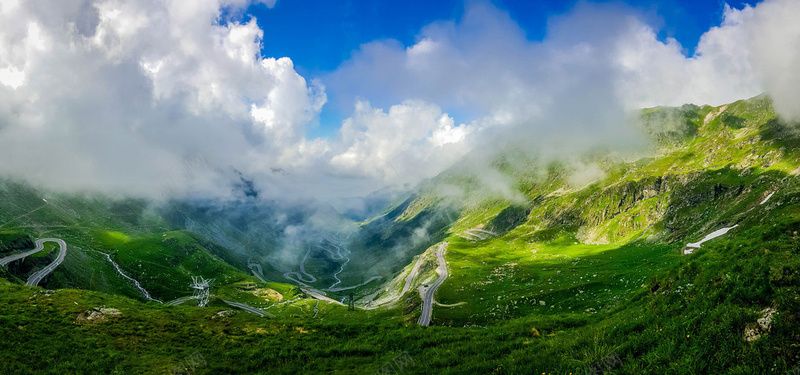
<point x="688" y="319"/>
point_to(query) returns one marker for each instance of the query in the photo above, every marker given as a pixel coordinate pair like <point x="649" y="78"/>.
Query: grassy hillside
<point x="567" y="242"/>
<point x="140" y="237"/>
<point x="686" y="319"/>
<point x="564" y="274"/>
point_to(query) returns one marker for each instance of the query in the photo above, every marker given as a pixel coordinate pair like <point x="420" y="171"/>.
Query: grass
<point x="692" y="323"/>
<point x="47" y="249"/>
<point x="577" y="275"/>
<point x="501" y="279"/>
<point x="13" y="240"/>
<point x="113" y="239"/>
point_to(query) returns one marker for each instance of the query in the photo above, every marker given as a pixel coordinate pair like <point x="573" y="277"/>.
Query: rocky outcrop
<point x="612" y="217"/>
<point x="224" y="314"/>
<point x="97" y="315"/>
<point x="761" y="327"/>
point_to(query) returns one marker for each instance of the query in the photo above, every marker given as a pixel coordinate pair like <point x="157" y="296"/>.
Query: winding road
<point x="37" y="276"/>
<point x="250" y="309"/>
<point x="283" y="303"/>
<point x="179" y="301"/>
<point x="338" y="256"/>
<point x="411" y="275"/>
<point x="39" y="247"/>
<point x="477" y="234"/>
<point x="427" y="302"/>
<point x="354" y="286"/>
<point x="300" y="279"/>
<point x="326" y="244"/>
<point x="318" y="295"/>
<point x="259" y="274"/>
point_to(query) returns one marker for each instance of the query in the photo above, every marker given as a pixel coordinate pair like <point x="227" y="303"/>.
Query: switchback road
<point x="427" y="302"/>
<point x="36" y="277"/>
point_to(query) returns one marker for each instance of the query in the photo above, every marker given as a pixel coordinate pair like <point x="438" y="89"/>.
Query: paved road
<point x="354" y="286"/>
<point x="283" y="303"/>
<point x="300" y="279"/>
<point x="409" y="280"/>
<point x="36" y="277"/>
<point x="255" y="265"/>
<point x="179" y="301"/>
<point x="325" y="244"/>
<point x="318" y="295"/>
<point x="427" y="302"/>
<point x="39" y="247"/>
<point x="332" y="243"/>
<point x="411" y="275"/>
<point x="250" y="309"/>
<point x="259" y="274"/>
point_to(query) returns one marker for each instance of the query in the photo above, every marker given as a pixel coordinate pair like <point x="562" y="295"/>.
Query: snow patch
<point x="767" y="198"/>
<point x="711" y="236"/>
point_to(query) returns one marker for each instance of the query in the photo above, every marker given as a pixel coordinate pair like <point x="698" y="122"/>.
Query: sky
<point x="320" y="35"/>
<point x="332" y="99"/>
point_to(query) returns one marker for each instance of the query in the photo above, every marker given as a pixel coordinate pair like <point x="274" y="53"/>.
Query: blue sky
<point x="319" y="35"/>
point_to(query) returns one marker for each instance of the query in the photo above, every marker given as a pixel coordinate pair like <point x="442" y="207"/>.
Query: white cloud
<point x="598" y="57"/>
<point x="268" y="3"/>
<point x="773" y="42"/>
<point x="572" y="90"/>
<point x="754" y="50"/>
<point x="112" y="94"/>
<point x="411" y="141"/>
<point x="655" y="73"/>
<point x="560" y="93"/>
<point x="12" y="77"/>
<point x="289" y="103"/>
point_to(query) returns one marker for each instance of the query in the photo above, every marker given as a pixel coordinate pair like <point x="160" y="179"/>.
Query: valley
<point x="665" y="261"/>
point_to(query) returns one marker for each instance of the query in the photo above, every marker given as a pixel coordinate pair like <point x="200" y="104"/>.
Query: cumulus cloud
<point x="412" y="140"/>
<point x="773" y="41"/>
<point x="655" y="73"/>
<point x="557" y="96"/>
<point x="596" y="63"/>
<point x="112" y="95"/>
<point x="755" y="49"/>
<point x="574" y="89"/>
<point x="478" y="61"/>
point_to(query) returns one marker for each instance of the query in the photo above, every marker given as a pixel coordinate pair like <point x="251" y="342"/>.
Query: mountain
<point x="679" y="257"/>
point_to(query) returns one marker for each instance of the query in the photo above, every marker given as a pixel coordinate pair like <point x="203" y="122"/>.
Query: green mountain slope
<point x="564" y="243"/>
<point x="566" y="266"/>
<point x="137" y="235"/>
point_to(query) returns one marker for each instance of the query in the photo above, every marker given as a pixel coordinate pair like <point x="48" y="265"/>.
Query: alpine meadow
<point x="456" y="187"/>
